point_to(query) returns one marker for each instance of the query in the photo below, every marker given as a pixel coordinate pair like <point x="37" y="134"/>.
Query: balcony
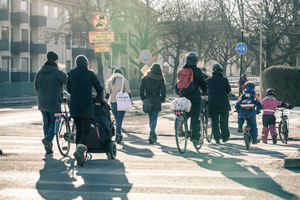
<point x="79" y="51"/>
<point x="4" y="45"/>
<point x="3" y="14"/>
<point x="90" y="53"/>
<point x="38" y="48"/>
<point x="18" y="47"/>
<point x="19" y="17"/>
<point x="38" y="20"/>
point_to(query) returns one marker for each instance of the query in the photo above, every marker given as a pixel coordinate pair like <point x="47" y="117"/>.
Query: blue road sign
<point x="241" y="48"/>
<point x="145" y="56"/>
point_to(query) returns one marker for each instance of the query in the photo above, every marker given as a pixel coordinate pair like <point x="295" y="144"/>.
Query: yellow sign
<point x="100" y="21"/>
<point x="145" y="69"/>
<point x="101" y="48"/>
<point x="101" y="37"/>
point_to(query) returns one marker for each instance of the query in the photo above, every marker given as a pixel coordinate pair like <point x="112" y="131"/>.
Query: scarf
<point x="153" y="76"/>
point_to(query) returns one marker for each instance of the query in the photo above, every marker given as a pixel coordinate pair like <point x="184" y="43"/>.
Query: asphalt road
<point x="141" y="170"/>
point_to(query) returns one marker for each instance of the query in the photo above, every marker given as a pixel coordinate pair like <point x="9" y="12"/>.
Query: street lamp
<point x="260" y="48"/>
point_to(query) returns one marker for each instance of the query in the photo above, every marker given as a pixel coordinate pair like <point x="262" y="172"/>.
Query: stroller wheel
<point x="112" y="150"/>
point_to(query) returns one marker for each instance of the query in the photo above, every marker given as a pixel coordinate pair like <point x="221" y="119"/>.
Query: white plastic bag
<point x="123" y="100"/>
<point x="181" y="104"/>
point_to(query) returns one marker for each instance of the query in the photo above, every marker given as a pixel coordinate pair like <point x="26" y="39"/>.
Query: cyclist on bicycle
<point x="270" y="104"/>
<point x="246" y="106"/>
<point x="194" y="96"/>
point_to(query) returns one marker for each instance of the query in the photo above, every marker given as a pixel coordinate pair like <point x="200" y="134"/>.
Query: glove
<point x="257" y="112"/>
<point x="290" y="107"/>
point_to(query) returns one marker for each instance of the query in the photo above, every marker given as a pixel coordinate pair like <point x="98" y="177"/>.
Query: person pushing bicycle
<point x="270" y="103"/>
<point x="246" y="105"/>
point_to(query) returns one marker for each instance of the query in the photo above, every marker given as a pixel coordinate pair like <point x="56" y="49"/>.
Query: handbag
<point x="148" y="103"/>
<point x="123" y="100"/>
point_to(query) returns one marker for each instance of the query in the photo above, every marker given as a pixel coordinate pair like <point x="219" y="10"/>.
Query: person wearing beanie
<point x="80" y="83"/>
<point x="112" y="88"/>
<point x="153" y="86"/>
<point x="219" y="107"/>
<point x="48" y="84"/>
<point x="195" y="95"/>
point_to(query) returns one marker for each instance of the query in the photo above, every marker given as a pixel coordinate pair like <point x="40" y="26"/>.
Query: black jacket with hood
<point x="218" y="89"/>
<point x="48" y="83"/>
<point x="80" y="84"/>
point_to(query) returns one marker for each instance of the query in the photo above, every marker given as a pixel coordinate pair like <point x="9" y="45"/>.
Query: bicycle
<point x="283" y="127"/>
<point x="182" y="133"/>
<point x="64" y="128"/>
<point x="247" y="134"/>
<point x="206" y="125"/>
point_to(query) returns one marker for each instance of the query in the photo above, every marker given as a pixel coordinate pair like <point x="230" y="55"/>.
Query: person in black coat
<point x="219" y="107"/>
<point x="80" y="83"/>
<point x="48" y="83"/>
<point x="195" y="96"/>
<point x="153" y="83"/>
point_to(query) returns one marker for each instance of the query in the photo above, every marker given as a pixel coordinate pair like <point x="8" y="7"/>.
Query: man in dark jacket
<point x="195" y="96"/>
<point x="48" y="84"/>
<point x="219" y="107"/>
<point x="80" y="84"/>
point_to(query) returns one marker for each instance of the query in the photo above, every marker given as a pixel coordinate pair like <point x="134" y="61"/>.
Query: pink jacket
<point x="270" y="104"/>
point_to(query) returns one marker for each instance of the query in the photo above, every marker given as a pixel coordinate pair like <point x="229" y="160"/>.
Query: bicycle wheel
<point x="280" y="131"/>
<point x="208" y="129"/>
<point x="247" y="139"/>
<point x="285" y="132"/>
<point x="201" y="141"/>
<point x="181" y="134"/>
<point x="62" y="128"/>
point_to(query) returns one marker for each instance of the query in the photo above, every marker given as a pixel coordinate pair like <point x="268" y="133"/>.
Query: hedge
<point x="286" y="82"/>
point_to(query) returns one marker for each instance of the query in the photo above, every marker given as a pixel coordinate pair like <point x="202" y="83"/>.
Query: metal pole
<point x="128" y="55"/>
<point x="260" y="49"/>
<point x="241" y="67"/>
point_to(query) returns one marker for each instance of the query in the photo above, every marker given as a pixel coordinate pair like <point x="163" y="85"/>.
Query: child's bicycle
<point x="283" y="127"/>
<point x="247" y="134"/>
<point x="182" y="133"/>
<point x="64" y="128"/>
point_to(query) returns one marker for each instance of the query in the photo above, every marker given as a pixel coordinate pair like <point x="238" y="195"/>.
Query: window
<point x="55" y="12"/>
<point x="4" y="33"/>
<point x="4" y="4"/>
<point x="5" y="64"/>
<point x="56" y="37"/>
<point x="24" y="35"/>
<point x="46" y="10"/>
<point x="24" y="6"/>
<point x="24" y="65"/>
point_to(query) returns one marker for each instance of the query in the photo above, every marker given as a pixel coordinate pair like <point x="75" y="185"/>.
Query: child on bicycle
<point x="270" y="104"/>
<point x="246" y="106"/>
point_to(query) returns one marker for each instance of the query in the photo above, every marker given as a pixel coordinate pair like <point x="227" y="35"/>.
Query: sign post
<point x="241" y="49"/>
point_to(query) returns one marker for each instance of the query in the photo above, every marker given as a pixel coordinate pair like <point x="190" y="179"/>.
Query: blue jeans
<point x="49" y="121"/>
<point x="153" y="121"/>
<point x="119" y="115"/>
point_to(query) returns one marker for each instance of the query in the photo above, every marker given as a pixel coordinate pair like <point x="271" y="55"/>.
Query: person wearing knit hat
<point x="80" y="83"/>
<point x="153" y="86"/>
<point x="112" y="88"/>
<point x="48" y="84"/>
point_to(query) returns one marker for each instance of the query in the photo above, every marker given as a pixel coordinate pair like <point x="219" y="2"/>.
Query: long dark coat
<point x="218" y="89"/>
<point x="80" y="84"/>
<point x="148" y="86"/>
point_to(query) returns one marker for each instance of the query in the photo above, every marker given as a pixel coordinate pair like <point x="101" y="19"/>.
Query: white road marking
<point x="15" y="119"/>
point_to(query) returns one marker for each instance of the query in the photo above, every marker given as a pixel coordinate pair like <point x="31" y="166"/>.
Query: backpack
<point x="247" y="101"/>
<point x="185" y="82"/>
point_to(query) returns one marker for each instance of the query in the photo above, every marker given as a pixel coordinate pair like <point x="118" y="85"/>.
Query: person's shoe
<point x="79" y="154"/>
<point x="152" y="138"/>
<point x="49" y="152"/>
<point x="225" y="140"/>
<point x="47" y="144"/>
<point x="255" y="141"/>
<point x="239" y="130"/>
<point x="265" y="142"/>
<point x="218" y="141"/>
<point x="274" y="139"/>
<point x="0" y="151"/>
<point x="119" y="138"/>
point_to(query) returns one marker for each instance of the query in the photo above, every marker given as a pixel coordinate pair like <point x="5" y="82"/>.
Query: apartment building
<point x="28" y="29"/>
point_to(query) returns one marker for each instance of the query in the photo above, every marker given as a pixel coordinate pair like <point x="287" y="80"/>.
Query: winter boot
<point x="119" y="138"/>
<point x="79" y="154"/>
<point x="274" y="139"/>
<point x="152" y="138"/>
<point x="48" y="146"/>
<point x="255" y="141"/>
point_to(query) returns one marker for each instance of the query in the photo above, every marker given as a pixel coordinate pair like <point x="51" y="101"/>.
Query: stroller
<point x="102" y="131"/>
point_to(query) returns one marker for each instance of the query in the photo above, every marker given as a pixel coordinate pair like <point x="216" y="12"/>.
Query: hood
<point x="48" y="68"/>
<point x="217" y="76"/>
<point x="189" y="65"/>
<point x="77" y="72"/>
<point x="250" y="90"/>
<point x="270" y="97"/>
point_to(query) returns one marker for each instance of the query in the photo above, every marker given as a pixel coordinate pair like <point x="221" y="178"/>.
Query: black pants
<point x="222" y="119"/>
<point x="83" y="127"/>
<point x="195" y="114"/>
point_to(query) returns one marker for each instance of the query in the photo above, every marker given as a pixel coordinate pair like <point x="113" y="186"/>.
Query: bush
<point x="285" y="80"/>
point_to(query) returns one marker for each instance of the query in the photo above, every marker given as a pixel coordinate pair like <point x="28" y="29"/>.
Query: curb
<point x="293" y="160"/>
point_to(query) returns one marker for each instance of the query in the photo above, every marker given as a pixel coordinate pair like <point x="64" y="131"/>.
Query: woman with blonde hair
<point x="113" y="86"/>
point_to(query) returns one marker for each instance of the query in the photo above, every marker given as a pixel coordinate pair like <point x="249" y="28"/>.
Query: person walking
<point x="219" y="107"/>
<point x="153" y="85"/>
<point x="112" y="88"/>
<point x="48" y="84"/>
<point x="80" y="83"/>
